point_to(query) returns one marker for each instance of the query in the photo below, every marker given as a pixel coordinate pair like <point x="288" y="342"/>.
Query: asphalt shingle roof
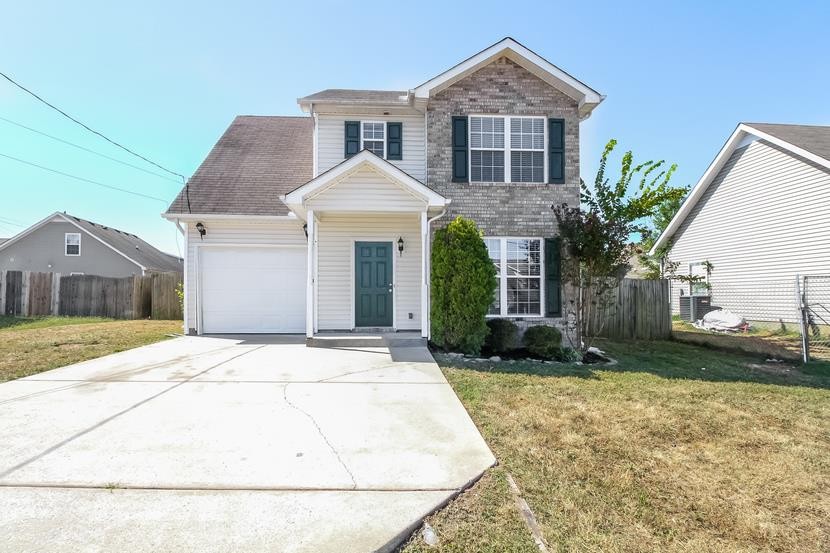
<point x="347" y="96"/>
<point x="257" y="159"/>
<point x="813" y="138"/>
<point x="132" y="246"/>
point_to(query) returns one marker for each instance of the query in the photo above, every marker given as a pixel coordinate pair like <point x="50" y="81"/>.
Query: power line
<point x="12" y="222"/>
<point x="82" y="179"/>
<point x="22" y="126"/>
<point x="93" y="131"/>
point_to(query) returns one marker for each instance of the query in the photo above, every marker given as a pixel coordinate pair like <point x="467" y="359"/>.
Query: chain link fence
<point x="793" y="313"/>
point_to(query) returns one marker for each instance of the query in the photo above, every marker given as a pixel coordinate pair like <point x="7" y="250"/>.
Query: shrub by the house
<point x="543" y="341"/>
<point x="503" y="336"/>
<point x="463" y="280"/>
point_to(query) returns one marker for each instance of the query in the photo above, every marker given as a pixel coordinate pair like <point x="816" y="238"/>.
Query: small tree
<point x="463" y="280"/>
<point x="663" y="214"/>
<point x="596" y="237"/>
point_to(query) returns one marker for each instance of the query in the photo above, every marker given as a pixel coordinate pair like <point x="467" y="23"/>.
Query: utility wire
<point x="93" y="131"/>
<point x="82" y="179"/>
<point x="12" y="222"/>
<point x="61" y="140"/>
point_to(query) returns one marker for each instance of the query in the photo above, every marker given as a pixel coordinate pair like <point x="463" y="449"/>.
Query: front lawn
<point x="33" y="345"/>
<point x="677" y="448"/>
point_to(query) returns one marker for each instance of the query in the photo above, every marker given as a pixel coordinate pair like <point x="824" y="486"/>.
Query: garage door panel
<point x="253" y="290"/>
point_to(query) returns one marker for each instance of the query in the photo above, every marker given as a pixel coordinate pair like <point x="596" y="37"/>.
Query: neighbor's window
<point x="518" y="263"/>
<point x="700" y="287"/>
<point x="519" y="139"/>
<point x="374" y="137"/>
<point x="72" y="243"/>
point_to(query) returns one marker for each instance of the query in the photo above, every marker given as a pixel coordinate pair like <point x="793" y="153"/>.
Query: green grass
<point x="30" y="346"/>
<point x="676" y="448"/>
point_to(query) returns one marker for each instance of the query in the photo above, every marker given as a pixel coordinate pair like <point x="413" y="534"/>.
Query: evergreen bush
<point x="463" y="280"/>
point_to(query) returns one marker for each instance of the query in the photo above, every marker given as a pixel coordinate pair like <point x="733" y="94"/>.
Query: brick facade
<point x="502" y="209"/>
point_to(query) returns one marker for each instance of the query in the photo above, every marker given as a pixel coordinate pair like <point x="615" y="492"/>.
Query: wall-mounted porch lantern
<point x="202" y="231"/>
<point x="400" y="245"/>
<point x="305" y="230"/>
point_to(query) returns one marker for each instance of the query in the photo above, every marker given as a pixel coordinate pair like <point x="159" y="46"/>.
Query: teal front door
<point x="373" y="283"/>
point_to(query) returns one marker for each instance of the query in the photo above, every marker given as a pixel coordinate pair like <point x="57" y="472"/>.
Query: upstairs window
<point x="527" y="149"/>
<point x="373" y="135"/>
<point x="487" y="149"/>
<point x="521" y="140"/>
<point x="72" y="243"/>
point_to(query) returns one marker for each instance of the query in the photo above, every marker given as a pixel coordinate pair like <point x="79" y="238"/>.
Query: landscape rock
<point x="495" y="359"/>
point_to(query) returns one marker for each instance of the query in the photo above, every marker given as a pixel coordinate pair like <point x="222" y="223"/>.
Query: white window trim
<point x="503" y="276"/>
<point x="66" y="236"/>
<point x="508" y="147"/>
<point x="385" y="131"/>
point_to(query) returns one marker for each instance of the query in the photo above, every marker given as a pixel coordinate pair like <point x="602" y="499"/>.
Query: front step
<point x="366" y="340"/>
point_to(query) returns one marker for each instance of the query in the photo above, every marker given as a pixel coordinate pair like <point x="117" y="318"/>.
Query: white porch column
<point x="424" y="276"/>
<point x="309" y="293"/>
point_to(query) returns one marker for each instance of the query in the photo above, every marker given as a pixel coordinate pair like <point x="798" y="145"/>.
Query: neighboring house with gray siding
<point x="63" y="243"/>
<point x="760" y="215"/>
<point x="324" y="222"/>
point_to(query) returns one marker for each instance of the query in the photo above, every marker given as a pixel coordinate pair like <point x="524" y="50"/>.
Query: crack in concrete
<point x="319" y="431"/>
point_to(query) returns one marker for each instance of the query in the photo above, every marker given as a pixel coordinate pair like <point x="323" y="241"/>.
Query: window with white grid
<point x="527" y="149"/>
<point x="518" y="264"/>
<point x="507" y="149"/>
<point x="494" y="249"/>
<point x="373" y="136"/>
<point x="487" y="149"/>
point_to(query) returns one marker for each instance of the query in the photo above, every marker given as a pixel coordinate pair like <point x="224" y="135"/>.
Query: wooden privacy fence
<point x="639" y="309"/>
<point x="31" y="294"/>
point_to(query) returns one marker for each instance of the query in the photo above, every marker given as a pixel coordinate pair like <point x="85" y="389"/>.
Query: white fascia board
<point x="226" y="216"/>
<point x="801" y="152"/>
<point x="295" y="199"/>
<point x="738" y="138"/>
<point x="585" y="95"/>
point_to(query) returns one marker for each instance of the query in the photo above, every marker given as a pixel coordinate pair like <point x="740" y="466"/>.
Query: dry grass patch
<point x="30" y="346"/>
<point x="483" y="519"/>
<point x="677" y="448"/>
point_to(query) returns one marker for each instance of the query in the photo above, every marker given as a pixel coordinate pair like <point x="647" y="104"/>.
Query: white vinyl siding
<point x="236" y="232"/>
<point x="331" y="145"/>
<point x="365" y="190"/>
<point x="763" y="219"/>
<point x="336" y="235"/>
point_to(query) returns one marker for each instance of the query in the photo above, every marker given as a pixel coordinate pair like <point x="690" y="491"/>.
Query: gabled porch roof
<point x="298" y="200"/>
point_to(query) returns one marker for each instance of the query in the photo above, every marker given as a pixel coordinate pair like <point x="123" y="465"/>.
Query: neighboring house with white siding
<point x="66" y="244"/>
<point x="323" y="222"/>
<point x="760" y="215"/>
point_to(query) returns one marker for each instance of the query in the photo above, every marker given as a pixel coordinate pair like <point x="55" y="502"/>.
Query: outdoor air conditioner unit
<point x="693" y="308"/>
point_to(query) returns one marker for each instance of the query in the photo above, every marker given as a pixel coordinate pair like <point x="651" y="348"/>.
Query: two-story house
<point x="323" y="222"/>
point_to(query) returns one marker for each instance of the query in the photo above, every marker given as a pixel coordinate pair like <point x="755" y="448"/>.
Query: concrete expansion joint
<point x="319" y="431"/>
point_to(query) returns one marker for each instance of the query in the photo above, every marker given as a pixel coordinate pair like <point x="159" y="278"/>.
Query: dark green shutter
<point x="394" y="141"/>
<point x="352" y="138"/>
<point x="556" y="151"/>
<point x="459" y="149"/>
<point x="553" y="278"/>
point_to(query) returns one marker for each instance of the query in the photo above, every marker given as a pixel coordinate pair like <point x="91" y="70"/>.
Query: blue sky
<point x="166" y="78"/>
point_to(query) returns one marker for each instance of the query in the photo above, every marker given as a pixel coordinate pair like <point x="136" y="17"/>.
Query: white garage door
<point x="253" y="290"/>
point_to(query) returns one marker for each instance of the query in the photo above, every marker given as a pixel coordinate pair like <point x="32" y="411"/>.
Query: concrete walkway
<point x="231" y="444"/>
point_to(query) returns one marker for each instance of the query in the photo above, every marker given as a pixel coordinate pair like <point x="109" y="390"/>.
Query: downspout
<point x="428" y="273"/>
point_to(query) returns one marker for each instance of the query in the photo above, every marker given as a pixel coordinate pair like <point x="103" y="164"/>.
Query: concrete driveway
<point x="231" y="444"/>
